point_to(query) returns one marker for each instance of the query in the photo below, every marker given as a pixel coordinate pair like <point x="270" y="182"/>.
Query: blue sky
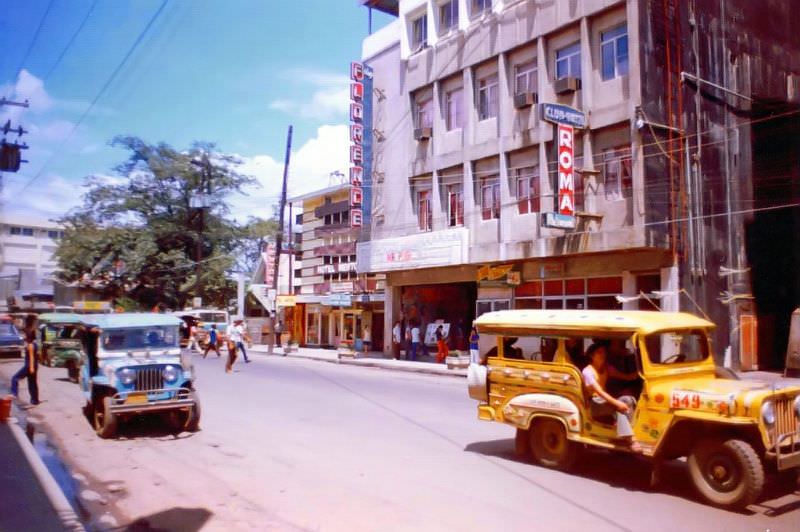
<point x="234" y="72"/>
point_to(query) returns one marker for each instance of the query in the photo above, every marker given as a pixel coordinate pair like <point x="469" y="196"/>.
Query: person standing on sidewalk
<point x="441" y="345"/>
<point x="414" y="340"/>
<point x="213" y="339"/>
<point x="193" y="345"/>
<point x="397" y="339"/>
<point x="366" y="339"/>
<point x="279" y="334"/>
<point x="31" y="367"/>
<point x="268" y="333"/>
<point x="474" y="353"/>
<point x="238" y="336"/>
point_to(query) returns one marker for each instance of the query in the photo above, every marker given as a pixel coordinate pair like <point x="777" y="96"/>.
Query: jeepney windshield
<point x="675" y="347"/>
<point x="154" y="337"/>
<point x="213" y="317"/>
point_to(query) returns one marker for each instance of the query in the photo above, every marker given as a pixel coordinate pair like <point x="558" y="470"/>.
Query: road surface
<point x="290" y="444"/>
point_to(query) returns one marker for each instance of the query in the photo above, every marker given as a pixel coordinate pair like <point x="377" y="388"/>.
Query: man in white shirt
<point x="397" y="339"/>
<point x="414" y="341"/>
<point x="237" y="335"/>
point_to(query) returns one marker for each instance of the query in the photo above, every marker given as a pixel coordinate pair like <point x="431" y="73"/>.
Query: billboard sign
<point x="566" y="170"/>
<point x="360" y="144"/>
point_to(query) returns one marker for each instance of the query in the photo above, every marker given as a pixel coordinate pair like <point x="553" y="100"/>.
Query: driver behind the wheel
<point x="602" y="403"/>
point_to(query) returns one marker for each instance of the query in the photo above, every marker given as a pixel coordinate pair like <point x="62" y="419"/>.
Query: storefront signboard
<point x="341" y="287"/>
<point x="336" y="300"/>
<point x="422" y="250"/>
<point x="361" y="144"/>
<point x="558" y="220"/>
<point x="286" y="301"/>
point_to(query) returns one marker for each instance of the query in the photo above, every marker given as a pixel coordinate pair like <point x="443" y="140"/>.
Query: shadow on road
<point x="183" y="519"/>
<point x="632" y="473"/>
<point x="145" y="426"/>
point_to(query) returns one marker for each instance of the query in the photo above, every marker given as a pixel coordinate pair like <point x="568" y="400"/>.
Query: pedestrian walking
<point x="268" y="333"/>
<point x="441" y="345"/>
<point x="279" y="334"/>
<point x="193" y="346"/>
<point x="474" y="353"/>
<point x="213" y="339"/>
<point x="397" y="339"/>
<point x="30" y="368"/>
<point x="366" y="339"/>
<point x="238" y="336"/>
<point x="414" y="341"/>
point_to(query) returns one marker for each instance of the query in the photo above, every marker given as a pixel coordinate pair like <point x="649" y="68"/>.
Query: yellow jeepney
<point x="728" y="428"/>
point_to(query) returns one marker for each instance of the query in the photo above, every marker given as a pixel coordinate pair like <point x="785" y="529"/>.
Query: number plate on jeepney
<point x="682" y="399"/>
<point x="136" y="399"/>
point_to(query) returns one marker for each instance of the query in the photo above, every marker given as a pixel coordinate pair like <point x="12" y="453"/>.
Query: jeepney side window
<point x="676" y="347"/>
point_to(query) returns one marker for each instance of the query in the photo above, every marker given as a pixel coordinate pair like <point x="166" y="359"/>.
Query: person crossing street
<point x="30" y="369"/>
<point x="213" y="341"/>
<point x="238" y="335"/>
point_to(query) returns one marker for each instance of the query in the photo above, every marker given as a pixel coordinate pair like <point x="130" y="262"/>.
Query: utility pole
<point x="10" y="158"/>
<point x="279" y="237"/>
<point x="200" y="202"/>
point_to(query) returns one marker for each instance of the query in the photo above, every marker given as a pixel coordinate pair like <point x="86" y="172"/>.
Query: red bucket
<point x="5" y="407"/>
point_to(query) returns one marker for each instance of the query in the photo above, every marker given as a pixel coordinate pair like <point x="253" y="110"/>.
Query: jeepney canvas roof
<point x="60" y="317"/>
<point x="551" y="322"/>
<point x="124" y="320"/>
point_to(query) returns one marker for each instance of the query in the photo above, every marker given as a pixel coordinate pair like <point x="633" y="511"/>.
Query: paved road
<point x="294" y="444"/>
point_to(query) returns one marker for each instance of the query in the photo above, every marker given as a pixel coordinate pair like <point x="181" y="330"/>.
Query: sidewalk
<point x="30" y="499"/>
<point x="373" y="360"/>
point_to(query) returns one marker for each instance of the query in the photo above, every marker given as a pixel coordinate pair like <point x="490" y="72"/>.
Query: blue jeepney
<point x="133" y="366"/>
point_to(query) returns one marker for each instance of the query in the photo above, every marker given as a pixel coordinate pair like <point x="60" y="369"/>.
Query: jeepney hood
<point x="115" y="363"/>
<point x="711" y="394"/>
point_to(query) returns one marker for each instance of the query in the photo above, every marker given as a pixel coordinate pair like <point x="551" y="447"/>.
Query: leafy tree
<point x="138" y="236"/>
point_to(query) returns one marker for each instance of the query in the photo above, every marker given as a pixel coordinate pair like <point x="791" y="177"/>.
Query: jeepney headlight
<point x="126" y="376"/>
<point x="171" y="374"/>
<point x="797" y="407"/>
<point x="768" y="413"/>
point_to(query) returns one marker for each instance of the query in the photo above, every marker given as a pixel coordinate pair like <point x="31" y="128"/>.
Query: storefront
<point x="451" y="304"/>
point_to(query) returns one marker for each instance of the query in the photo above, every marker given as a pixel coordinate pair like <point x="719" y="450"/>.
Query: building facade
<point x="337" y="303"/>
<point x="27" y="263"/>
<point x="545" y="155"/>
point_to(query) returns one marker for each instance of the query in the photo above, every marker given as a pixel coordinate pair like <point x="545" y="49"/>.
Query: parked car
<point x="60" y="343"/>
<point x="133" y="366"/>
<point x="11" y="341"/>
<point x="728" y="429"/>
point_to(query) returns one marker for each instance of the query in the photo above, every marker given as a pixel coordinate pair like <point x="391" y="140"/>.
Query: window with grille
<point x="525" y="78"/>
<point x="454" y="102"/>
<point x="448" y="16"/>
<point x="424" y="210"/>
<point x="490" y="197"/>
<point x="455" y="205"/>
<point x="487" y="97"/>
<point x="568" y="62"/>
<point x="614" y="52"/>
<point x="527" y="189"/>
<point x="419" y="33"/>
<point x="424" y="112"/>
<point x="617" y="172"/>
<point x="480" y="6"/>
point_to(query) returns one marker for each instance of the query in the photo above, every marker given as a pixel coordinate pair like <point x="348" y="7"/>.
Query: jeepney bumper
<point x="141" y="402"/>
<point x="787" y="451"/>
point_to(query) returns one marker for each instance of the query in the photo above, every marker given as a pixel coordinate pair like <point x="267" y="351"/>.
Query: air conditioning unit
<point x="567" y="85"/>
<point x="525" y="99"/>
<point x="423" y="133"/>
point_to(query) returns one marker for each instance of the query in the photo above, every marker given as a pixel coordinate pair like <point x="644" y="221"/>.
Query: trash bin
<point x="5" y="407"/>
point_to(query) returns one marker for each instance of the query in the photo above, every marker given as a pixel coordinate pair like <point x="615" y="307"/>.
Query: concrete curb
<point x="389" y="365"/>
<point x="57" y="498"/>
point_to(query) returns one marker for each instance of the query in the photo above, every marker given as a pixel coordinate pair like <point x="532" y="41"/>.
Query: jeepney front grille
<point x="785" y="420"/>
<point x="149" y="378"/>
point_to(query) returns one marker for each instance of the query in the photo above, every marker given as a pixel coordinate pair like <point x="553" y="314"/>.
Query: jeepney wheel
<point x="193" y="418"/>
<point x="550" y="446"/>
<point x="522" y="443"/>
<point x="72" y="372"/>
<point x="727" y="473"/>
<point x="105" y="422"/>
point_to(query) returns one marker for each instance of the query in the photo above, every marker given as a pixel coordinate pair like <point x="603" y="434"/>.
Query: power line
<point x="34" y="39"/>
<point x="71" y="41"/>
<point x="99" y="95"/>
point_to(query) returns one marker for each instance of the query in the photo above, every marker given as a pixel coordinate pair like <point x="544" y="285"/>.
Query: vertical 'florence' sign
<point x="566" y="120"/>
<point x="360" y="144"/>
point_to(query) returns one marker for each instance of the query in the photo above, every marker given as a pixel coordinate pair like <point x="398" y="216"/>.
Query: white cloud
<point x="329" y="100"/>
<point x="54" y="131"/>
<point x="51" y="196"/>
<point x="309" y="169"/>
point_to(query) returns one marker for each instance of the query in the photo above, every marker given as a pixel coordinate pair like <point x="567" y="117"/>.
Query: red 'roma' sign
<point x="566" y="170"/>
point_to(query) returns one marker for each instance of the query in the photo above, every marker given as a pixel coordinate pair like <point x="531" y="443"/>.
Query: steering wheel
<point x="679" y="357"/>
